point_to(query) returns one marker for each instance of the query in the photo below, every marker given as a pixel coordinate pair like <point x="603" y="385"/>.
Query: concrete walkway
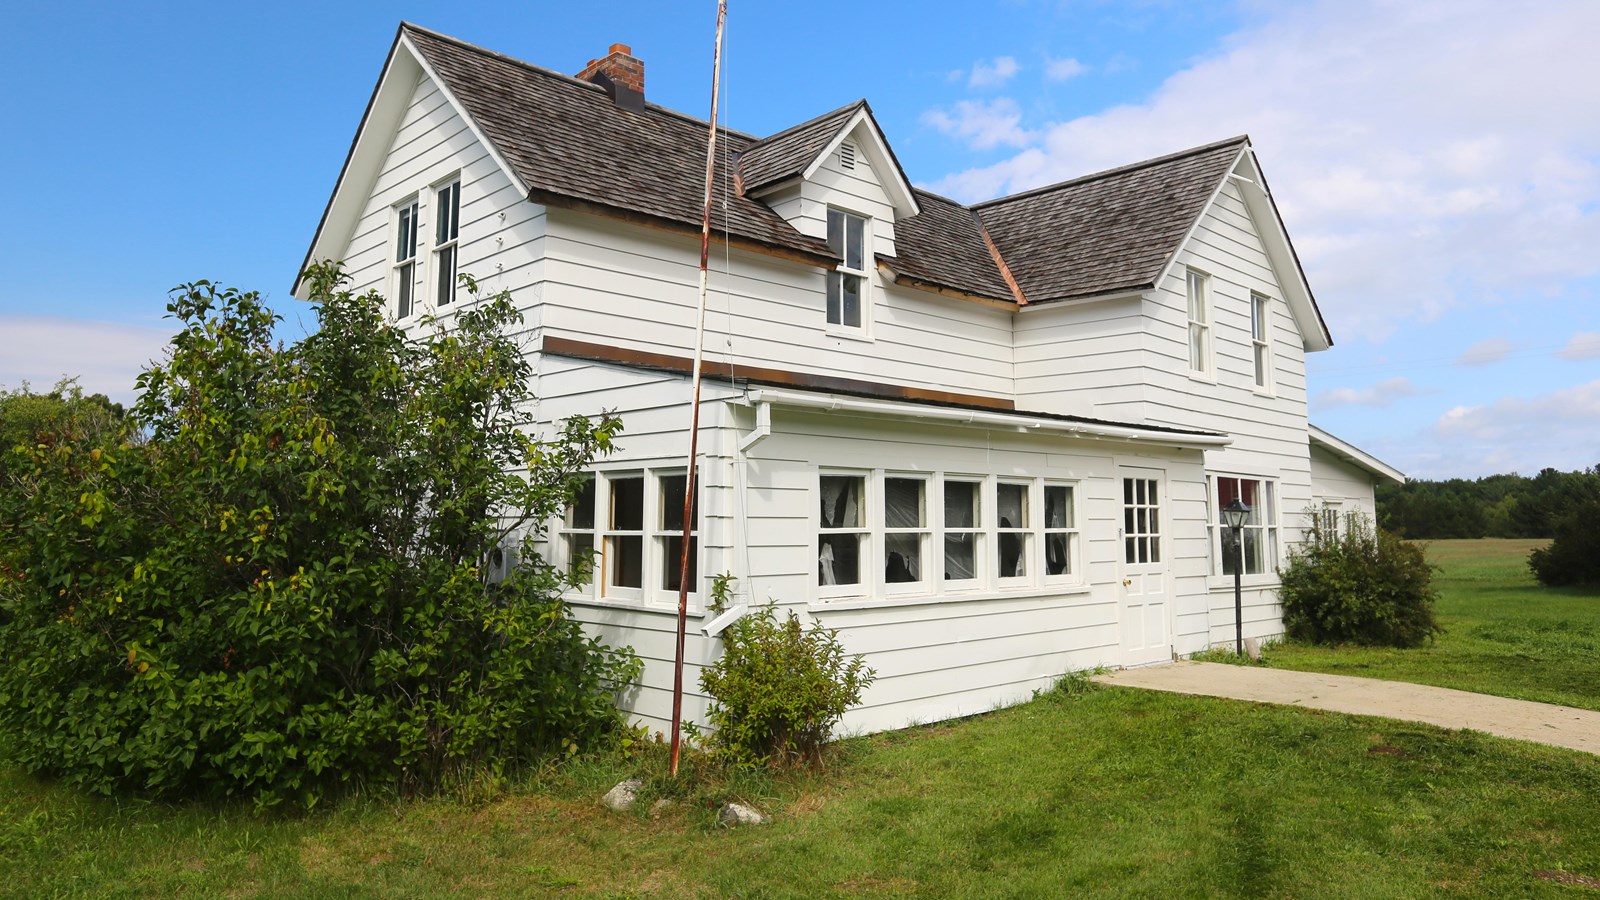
<point x="1558" y="726"/>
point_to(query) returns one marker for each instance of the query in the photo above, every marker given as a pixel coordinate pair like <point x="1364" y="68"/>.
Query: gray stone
<point x="1252" y="648"/>
<point x="622" y="797"/>
<point x="659" y="807"/>
<point x="735" y="814"/>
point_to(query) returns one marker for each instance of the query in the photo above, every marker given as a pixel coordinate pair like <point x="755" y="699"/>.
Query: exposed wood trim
<point x="561" y="201"/>
<point x="1000" y="261"/>
<point x="905" y="280"/>
<point x="723" y="371"/>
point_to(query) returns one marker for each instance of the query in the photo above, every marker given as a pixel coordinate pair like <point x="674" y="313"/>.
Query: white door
<point x="1146" y="583"/>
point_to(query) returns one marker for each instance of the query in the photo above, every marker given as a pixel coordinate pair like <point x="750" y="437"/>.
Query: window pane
<point x="902" y="503"/>
<point x="449" y="213"/>
<point x="672" y="504"/>
<point x="1012" y="505"/>
<point x="1227" y="490"/>
<point x="407" y="279"/>
<point x="1155" y="549"/>
<point x="1197" y="346"/>
<point x="672" y="565"/>
<point x="1129" y="554"/>
<point x="839" y="559"/>
<point x="1013" y="554"/>
<point x="579" y="546"/>
<point x="851" y="285"/>
<point x="627" y="504"/>
<point x="835" y="301"/>
<point x="1057" y="506"/>
<point x="1127" y="520"/>
<point x="836" y="232"/>
<point x="1230" y="552"/>
<point x="447" y="275"/>
<point x="1197" y="307"/>
<point x="960" y="504"/>
<point x="841" y="501"/>
<point x="402" y="240"/>
<point x="1258" y="317"/>
<point x="960" y="557"/>
<point x="1057" y="559"/>
<point x="627" y="561"/>
<point x="580" y="512"/>
<point x="902" y="558"/>
<point x="1261" y="365"/>
<point x="1253" y="564"/>
<point x="853" y="241"/>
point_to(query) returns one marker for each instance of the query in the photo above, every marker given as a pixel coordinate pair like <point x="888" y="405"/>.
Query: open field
<point x="1504" y="633"/>
<point x="1112" y="791"/>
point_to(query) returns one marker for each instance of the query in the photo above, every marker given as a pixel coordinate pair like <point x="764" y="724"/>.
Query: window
<point x="963" y="534"/>
<point x="1141" y="520"/>
<point x="1259" y="534"/>
<point x="1199" y="290"/>
<point x="842" y="530"/>
<point x="635" y="520"/>
<point x="447" y="227"/>
<point x="670" y="536"/>
<point x="1060" y="530"/>
<point x="846" y="237"/>
<point x="1013" y="541"/>
<point x="905" y="530"/>
<point x="405" y="257"/>
<point x="1261" y="340"/>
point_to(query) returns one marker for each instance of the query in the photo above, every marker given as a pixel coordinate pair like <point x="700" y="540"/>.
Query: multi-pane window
<point x="632" y="522"/>
<point x="670" y="536"/>
<point x="905" y="530"/>
<point x="1141" y="521"/>
<point x="405" y="257"/>
<point x="1199" y="291"/>
<point x="1060" y="530"/>
<point x="841" y="530"/>
<point x="846" y="237"/>
<point x="963" y="530"/>
<point x="1013" y="535"/>
<point x="1261" y="340"/>
<point x="446" y="229"/>
<point x="1258" y="537"/>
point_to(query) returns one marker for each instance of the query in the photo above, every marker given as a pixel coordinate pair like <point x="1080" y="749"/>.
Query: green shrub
<point x="278" y="579"/>
<point x="779" y="688"/>
<point x="1573" y="557"/>
<point x="1362" y="586"/>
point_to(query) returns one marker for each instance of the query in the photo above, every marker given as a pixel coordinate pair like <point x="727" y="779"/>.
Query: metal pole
<point x="1238" y="598"/>
<point x="694" y="421"/>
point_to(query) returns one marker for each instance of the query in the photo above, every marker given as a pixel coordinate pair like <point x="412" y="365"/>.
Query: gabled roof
<point x="1354" y="455"/>
<point x="1108" y="233"/>
<point x="790" y="152"/>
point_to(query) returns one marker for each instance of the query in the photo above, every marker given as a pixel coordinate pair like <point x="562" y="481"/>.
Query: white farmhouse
<point x="987" y="443"/>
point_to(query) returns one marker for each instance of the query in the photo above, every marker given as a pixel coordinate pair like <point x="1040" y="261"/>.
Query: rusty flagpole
<point x="694" y="420"/>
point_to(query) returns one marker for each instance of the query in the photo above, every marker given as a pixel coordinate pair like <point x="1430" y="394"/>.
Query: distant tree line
<point x="1507" y="506"/>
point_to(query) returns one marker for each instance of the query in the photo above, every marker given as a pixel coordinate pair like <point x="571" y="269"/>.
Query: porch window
<point x="1260" y="532"/>
<point x="1060" y="530"/>
<point x="842" y="531"/>
<point x="634" y="519"/>
<point x="625" y="534"/>
<point x="669" y="538"/>
<point x="1013" y="541"/>
<point x="577" y="527"/>
<point x="905" y="530"/>
<point x="963" y="530"/>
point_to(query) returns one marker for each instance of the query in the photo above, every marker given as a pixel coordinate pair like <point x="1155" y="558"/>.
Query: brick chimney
<point x="621" y="74"/>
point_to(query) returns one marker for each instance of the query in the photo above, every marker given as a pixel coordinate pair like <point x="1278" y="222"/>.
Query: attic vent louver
<point x="847" y="155"/>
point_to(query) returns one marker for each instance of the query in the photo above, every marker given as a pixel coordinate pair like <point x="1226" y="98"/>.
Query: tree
<point x="288" y="583"/>
<point x="65" y="412"/>
<point x="1573" y="557"/>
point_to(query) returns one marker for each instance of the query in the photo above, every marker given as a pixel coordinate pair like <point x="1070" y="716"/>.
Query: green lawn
<point x="1504" y="633"/>
<point x="1116" y="792"/>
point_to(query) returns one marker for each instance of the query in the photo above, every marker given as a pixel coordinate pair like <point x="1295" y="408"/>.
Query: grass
<point x="1504" y="633"/>
<point x="1086" y="790"/>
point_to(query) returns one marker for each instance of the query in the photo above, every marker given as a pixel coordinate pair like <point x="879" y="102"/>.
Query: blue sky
<point x="1437" y="162"/>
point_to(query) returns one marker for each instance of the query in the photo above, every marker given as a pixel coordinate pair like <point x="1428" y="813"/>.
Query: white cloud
<point x="1493" y="436"/>
<point x="105" y="356"/>
<point x="1583" y="345"/>
<point x="982" y="124"/>
<point x="1485" y="352"/>
<point x="1063" y="69"/>
<point x="1381" y="394"/>
<point x="993" y="74"/>
<point x="1425" y="155"/>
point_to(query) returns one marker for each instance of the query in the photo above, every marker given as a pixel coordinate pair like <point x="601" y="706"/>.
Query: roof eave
<point x="1354" y="455"/>
<point x="901" y="196"/>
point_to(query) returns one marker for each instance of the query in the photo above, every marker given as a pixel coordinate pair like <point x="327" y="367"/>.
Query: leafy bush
<point x="779" y="688"/>
<point x="64" y="413"/>
<point x="1362" y="585"/>
<point x="279" y="578"/>
<point x="1573" y="557"/>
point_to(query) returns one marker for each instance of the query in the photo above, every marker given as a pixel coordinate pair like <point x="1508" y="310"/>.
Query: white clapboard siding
<point x="1337" y="482"/>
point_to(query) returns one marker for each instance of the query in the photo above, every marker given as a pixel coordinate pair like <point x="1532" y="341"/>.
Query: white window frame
<point x="838" y="275"/>
<point x="1261" y="341"/>
<point x="662" y="536"/>
<point x="1198" y="336"/>
<point x="653" y="540"/>
<point x="405" y="266"/>
<point x="446" y="240"/>
<point x="924" y="533"/>
<point x="573" y="534"/>
<point x="866" y="540"/>
<point x="978" y="531"/>
<point x="1027" y="530"/>
<point x="1266" y="522"/>
<point x="1069" y="531"/>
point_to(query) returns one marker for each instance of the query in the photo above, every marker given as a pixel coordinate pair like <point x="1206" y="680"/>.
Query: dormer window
<point x="846" y="237"/>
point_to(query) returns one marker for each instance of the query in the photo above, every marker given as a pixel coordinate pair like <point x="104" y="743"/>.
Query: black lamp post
<point x="1233" y="515"/>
